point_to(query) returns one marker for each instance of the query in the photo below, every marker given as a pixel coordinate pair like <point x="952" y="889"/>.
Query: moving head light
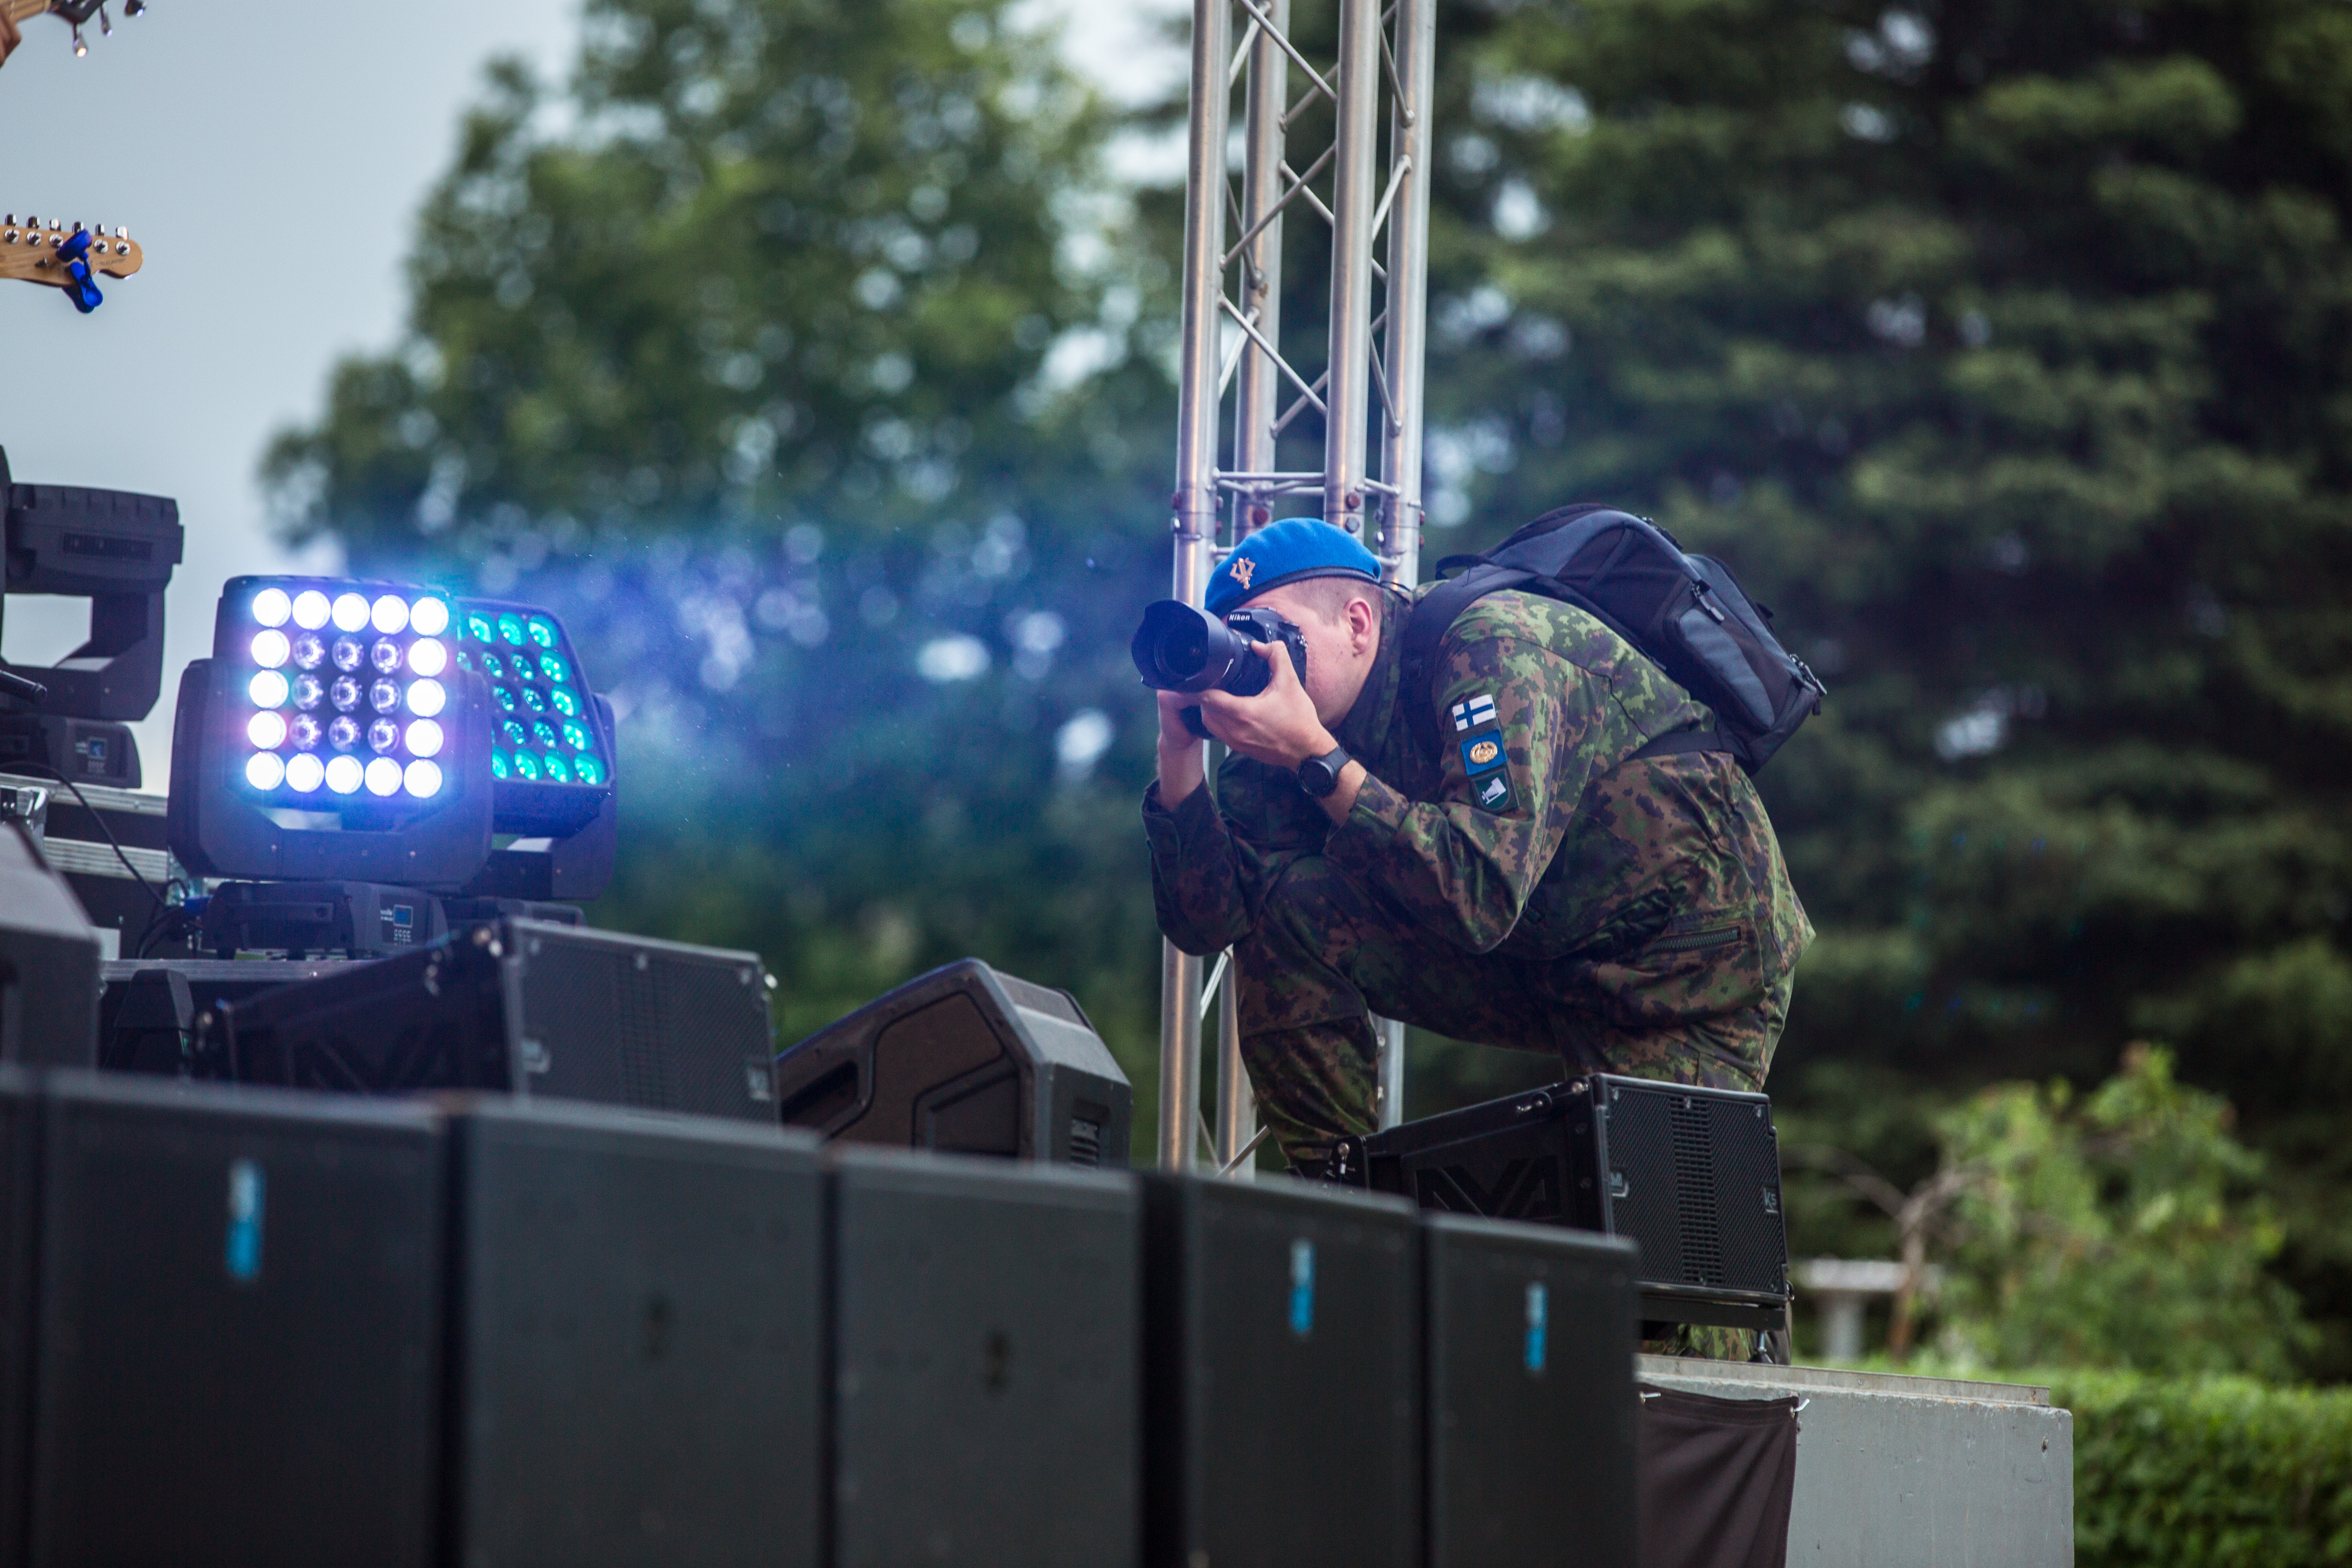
<point x="118" y="551"/>
<point x="1182" y="649"/>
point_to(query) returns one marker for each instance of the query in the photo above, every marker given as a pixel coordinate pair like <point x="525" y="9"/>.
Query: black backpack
<point x="1685" y="613"/>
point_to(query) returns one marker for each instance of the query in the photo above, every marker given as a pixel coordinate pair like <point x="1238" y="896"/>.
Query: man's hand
<point x="9" y="37"/>
<point x="1279" y="725"/>
<point x="1183" y="761"/>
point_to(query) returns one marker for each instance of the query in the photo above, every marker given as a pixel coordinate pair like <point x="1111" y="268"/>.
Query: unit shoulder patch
<point x="1482" y="753"/>
<point x="1493" y="792"/>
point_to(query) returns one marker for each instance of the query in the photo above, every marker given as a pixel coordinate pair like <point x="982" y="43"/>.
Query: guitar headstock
<point x="74" y="12"/>
<point x="30" y="250"/>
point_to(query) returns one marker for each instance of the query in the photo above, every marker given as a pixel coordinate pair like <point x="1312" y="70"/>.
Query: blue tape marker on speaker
<point x="245" y="1202"/>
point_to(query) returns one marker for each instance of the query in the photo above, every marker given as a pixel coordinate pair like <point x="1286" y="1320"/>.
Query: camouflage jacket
<point x="1528" y="833"/>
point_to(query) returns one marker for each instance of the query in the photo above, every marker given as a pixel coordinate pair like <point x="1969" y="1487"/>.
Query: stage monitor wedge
<point x="964" y="1060"/>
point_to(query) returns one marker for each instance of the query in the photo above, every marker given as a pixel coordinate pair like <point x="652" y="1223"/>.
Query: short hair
<point x="1328" y="597"/>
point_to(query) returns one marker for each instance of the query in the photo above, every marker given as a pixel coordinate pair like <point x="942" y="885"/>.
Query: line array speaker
<point x="986" y="1405"/>
<point x="966" y="1060"/>
<point x="638" y="1341"/>
<point x="1282" y="1334"/>
<point x="1530" y="1338"/>
<point x="528" y="1007"/>
<point x="1692" y="1175"/>
<point x="237" y="1324"/>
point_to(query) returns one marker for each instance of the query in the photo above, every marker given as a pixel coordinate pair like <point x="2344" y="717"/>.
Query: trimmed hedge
<point x="2206" y="1473"/>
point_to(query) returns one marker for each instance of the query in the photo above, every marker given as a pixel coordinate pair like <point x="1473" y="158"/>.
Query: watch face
<point x="1318" y="776"/>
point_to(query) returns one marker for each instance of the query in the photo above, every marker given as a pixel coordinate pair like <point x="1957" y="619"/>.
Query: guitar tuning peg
<point x="135" y="8"/>
<point x="105" y="24"/>
<point x="81" y="49"/>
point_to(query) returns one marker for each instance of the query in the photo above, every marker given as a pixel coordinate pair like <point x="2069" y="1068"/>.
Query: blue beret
<point x="1290" y="551"/>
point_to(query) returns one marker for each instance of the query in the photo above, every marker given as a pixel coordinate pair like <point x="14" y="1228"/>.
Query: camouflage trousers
<point x="1322" y="956"/>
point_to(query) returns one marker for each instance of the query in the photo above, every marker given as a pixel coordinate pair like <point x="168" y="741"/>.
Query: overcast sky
<point x="270" y="158"/>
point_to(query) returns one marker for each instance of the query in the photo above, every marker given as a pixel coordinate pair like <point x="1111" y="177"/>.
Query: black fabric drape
<point x="1717" y="1476"/>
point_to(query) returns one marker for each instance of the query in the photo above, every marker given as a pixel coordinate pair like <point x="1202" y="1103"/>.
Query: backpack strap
<point x="1435" y="615"/>
<point x="1684" y="742"/>
<point x="1425" y="627"/>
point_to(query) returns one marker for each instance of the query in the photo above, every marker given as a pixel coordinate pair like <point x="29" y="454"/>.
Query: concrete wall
<point x="1911" y="1472"/>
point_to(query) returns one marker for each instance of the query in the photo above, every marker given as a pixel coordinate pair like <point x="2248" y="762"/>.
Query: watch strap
<point x="1318" y="776"/>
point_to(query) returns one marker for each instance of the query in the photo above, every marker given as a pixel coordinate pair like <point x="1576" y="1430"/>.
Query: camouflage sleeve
<point x="1524" y="731"/>
<point x="1196" y="873"/>
<point x="1214" y="856"/>
<point x="1196" y="883"/>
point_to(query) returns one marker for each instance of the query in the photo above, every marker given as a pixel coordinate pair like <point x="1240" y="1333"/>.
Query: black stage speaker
<point x="19" y="1153"/>
<point x="240" y="1310"/>
<point x="49" y="960"/>
<point x="76" y="843"/>
<point x="1531" y="1335"/>
<point x="963" y="1060"/>
<point x="1692" y="1175"/>
<point x="985" y="1367"/>
<point x="1282" y="1356"/>
<point x="638" y="1341"/>
<point x="530" y="1008"/>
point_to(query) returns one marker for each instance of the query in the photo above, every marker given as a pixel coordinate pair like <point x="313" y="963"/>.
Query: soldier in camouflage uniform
<point x="1525" y="884"/>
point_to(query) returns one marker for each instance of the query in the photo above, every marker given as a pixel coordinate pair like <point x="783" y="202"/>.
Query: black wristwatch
<point x="1318" y="776"/>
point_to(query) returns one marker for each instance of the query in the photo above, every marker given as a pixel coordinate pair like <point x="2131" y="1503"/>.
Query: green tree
<point x="792" y="353"/>
<point x="2003" y="349"/>
<point x="2120" y="1228"/>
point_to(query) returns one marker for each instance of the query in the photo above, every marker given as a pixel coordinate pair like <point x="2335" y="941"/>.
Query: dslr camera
<point x="1180" y="648"/>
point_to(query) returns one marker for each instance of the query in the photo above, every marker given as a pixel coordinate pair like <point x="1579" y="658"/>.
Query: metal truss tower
<point x="1367" y="396"/>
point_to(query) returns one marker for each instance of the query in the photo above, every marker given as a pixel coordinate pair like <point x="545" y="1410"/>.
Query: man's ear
<point x="1363" y="622"/>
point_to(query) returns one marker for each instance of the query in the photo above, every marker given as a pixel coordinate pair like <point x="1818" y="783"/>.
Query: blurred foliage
<point x="2119" y="1229"/>
<point x="2002" y="350"/>
<point x="757" y="352"/>
<point x="803" y="356"/>
<point x="2207" y="1472"/>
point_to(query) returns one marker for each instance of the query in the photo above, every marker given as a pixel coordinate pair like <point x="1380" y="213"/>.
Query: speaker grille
<point x="645" y="1026"/>
<point x="636" y="994"/>
<point x="1695" y="1210"/>
<point x="1747" y="1167"/>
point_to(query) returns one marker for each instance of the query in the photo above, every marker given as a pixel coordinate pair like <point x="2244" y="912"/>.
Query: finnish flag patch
<point x="1473" y="711"/>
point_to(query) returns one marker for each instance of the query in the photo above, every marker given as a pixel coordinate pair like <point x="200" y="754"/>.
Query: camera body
<point x="1180" y="648"/>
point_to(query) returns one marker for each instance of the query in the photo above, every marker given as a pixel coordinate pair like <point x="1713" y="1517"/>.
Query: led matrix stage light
<point x="351" y="698"/>
<point x="339" y="698"/>
<point x="345" y="690"/>
<point x="550" y="731"/>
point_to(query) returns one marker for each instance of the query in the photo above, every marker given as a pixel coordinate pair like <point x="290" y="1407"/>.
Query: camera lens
<point x="1179" y="648"/>
<point x="1185" y="648"/>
